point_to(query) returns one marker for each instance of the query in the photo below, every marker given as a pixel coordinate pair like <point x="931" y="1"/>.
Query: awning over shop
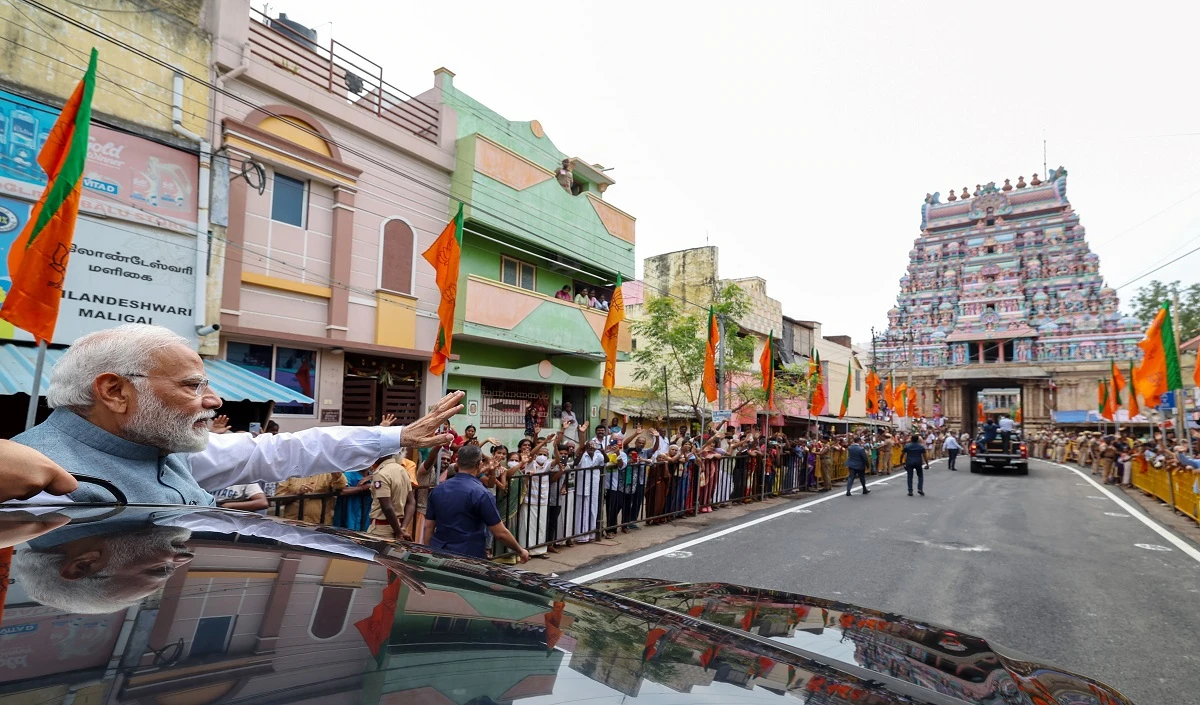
<point x="233" y="383"/>
<point x="230" y="382"/>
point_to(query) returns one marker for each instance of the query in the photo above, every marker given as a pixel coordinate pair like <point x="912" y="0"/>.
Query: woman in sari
<point x="509" y="487"/>
<point x="658" y="484"/>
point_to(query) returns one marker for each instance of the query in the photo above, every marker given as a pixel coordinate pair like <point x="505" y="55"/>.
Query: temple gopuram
<point x="1002" y="291"/>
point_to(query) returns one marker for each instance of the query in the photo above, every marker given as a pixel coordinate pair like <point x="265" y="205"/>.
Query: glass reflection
<point x="192" y="606"/>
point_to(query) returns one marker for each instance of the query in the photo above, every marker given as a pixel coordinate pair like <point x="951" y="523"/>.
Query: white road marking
<point x="680" y="554"/>
<point x="1152" y="547"/>
<point x="1092" y="496"/>
<point x="1154" y="526"/>
<point x="953" y="547"/>
<point x="835" y="494"/>
<point x="1115" y="514"/>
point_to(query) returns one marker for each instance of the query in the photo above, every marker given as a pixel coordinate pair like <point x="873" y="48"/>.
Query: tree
<point x="672" y="336"/>
<point x="1149" y="297"/>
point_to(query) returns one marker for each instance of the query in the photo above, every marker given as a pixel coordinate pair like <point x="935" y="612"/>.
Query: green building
<point x="536" y="222"/>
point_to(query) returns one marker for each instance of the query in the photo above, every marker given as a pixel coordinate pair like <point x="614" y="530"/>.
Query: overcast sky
<point x="802" y="137"/>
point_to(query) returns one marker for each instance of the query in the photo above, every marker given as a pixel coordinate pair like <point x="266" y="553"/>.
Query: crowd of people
<point x="1110" y="455"/>
<point x="579" y="483"/>
<point x="595" y="298"/>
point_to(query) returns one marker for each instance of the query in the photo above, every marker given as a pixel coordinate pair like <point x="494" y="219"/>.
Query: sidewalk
<point x="591" y="553"/>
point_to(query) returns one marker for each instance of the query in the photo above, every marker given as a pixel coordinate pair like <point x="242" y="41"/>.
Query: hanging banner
<point x="126" y="177"/>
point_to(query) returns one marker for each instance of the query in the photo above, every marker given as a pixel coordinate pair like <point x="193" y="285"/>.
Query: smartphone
<point x="255" y="428"/>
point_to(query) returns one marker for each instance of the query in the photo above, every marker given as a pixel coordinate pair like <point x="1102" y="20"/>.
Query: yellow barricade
<point x="837" y="458"/>
<point x="1185" y="496"/>
<point x="1175" y="487"/>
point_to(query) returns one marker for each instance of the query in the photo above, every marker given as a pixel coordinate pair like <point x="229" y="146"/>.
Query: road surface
<point x="1046" y="564"/>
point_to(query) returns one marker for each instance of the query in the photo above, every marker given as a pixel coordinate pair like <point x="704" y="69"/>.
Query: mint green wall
<point x="481" y="257"/>
<point x="556" y="219"/>
<point x="565" y="223"/>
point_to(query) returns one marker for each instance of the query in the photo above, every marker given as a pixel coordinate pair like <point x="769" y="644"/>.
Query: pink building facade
<point x="338" y="183"/>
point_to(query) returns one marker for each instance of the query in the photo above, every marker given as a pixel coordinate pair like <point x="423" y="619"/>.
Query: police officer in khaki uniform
<point x="393" y="502"/>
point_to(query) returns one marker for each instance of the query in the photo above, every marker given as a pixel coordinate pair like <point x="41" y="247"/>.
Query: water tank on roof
<point x="295" y="30"/>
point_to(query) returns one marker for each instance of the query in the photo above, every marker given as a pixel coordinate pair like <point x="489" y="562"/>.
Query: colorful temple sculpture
<point x="1001" y="285"/>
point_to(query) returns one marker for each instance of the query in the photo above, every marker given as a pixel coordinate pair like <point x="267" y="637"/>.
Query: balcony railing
<point x="342" y="72"/>
<point x="564" y="326"/>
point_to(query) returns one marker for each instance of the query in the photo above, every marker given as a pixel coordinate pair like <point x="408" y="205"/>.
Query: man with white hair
<point x="132" y="406"/>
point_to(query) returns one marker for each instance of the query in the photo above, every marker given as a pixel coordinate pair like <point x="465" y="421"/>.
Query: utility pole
<point x="1181" y="430"/>
<point x="721" y="364"/>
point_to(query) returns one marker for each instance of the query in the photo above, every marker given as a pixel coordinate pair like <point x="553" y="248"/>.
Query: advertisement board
<point x="40" y="641"/>
<point x="126" y="177"/>
<point x="133" y="264"/>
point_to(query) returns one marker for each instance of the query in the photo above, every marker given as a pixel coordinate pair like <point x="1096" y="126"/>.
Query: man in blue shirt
<point x="461" y="512"/>
<point x="915" y="461"/>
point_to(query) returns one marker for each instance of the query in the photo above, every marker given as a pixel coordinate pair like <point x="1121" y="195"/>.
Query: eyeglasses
<point x="199" y="386"/>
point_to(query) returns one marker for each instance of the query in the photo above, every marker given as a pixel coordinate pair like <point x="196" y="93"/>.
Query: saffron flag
<point x="846" y="390"/>
<point x="1111" y="401"/>
<point x="553" y="620"/>
<point x="612" y="331"/>
<point x="901" y="396"/>
<point x="1159" y="371"/>
<point x="444" y="254"/>
<point x="377" y="627"/>
<point x="1118" y="383"/>
<point x="1017" y="417"/>
<point x="1134" y="410"/>
<point x="817" y="407"/>
<point x="766" y="363"/>
<point x="653" y="637"/>
<point x="37" y="259"/>
<point x="979" y="411"/>
<point x="889" y="394"/>
<point x="710" y="357"/>
<point x="1103" y="401"/>
<point x="913" y="411"/>
<point x="872" y="392"/>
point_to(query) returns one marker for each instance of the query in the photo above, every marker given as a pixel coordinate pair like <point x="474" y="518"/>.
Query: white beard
<point x="156" y="424"/>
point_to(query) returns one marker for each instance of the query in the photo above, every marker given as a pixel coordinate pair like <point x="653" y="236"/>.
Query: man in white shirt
<point x="570" y="425"/>
<point x="132" y="406"/>
<point x="588" y="467"/>
<point x="952" y="449"/>
<point x="1006" y="432"/>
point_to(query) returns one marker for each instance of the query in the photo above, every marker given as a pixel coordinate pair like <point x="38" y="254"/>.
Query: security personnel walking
<point x="391" y="488"/>
<point x="915" y="460"/>
<point x="857" y="461"/>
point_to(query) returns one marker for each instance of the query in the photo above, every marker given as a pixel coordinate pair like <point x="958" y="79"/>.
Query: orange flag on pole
<point x="612" y="332"/>
<point x="710" y="357"/>
<point x="1104" y="400"/>
<point x="889" y="394"/>
<point x="37" y="260"/>
<point x="1159" y="371"/>
<point x="444" y="255"/>
<point x="913" y="411"/>
<point x="872" y="392"/>
<point x="817" y="407"/>
<point x="901" y="398"/>
<point x="766" y="363"/>
<point x="1134" y="409"/>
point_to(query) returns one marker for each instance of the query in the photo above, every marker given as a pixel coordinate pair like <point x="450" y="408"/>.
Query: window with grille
<point x="509" y="404"/>
<point x="514" y="272"/>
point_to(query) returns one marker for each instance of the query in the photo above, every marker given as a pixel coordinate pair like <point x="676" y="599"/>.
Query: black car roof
<point x="267" y="610"/>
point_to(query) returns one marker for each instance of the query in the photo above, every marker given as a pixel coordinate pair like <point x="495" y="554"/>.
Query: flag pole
<point x="35" y="394"/>
<point x="1181" y="433"/>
